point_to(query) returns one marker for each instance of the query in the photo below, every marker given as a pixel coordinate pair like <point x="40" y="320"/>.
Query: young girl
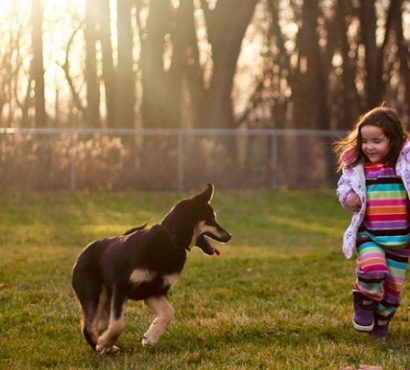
<point x="375" y="186"/>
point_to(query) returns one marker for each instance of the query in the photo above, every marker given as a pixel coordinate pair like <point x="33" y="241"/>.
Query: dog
<point x="141" y="264"/>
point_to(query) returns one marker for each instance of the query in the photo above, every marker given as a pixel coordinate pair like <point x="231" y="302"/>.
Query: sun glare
<point x="60" y="18"/>
<point x="14" y="8"/>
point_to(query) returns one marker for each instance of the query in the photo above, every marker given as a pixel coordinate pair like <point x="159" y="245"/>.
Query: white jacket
<point x="353" y="180"/>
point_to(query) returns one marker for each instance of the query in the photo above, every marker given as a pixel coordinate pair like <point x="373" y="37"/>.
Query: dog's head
<point x="194" y="218"/>
<point x="208" y="227"/>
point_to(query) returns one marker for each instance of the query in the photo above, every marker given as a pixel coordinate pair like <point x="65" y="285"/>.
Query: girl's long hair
<point x="349" y="149"/>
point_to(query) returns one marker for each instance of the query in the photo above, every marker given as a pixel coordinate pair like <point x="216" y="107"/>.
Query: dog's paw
<point x="146" y="342"/>
<point x="106" y="350"/>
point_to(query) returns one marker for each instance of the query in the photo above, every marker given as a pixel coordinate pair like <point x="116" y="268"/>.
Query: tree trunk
<point x="91" y="78"/>
<point x="349" y="95"/>
<point x="373" y="55"/>
<point x="152" y="64"/>
<point x="279" y="107"/>
<point x="38" y="65"/>
<point x="185" y="54"/>
<point x="125" y="88"/>
<point x="108" y="71"/>
<point x="403" y="54"/>
<point x="310" y="82"/>
<point x="226" y="24"/>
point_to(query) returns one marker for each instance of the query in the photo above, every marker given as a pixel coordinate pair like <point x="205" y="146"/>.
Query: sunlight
<point x="12" y="8"/>
<point x="406" y="24"/>
<point x="76" y="6"/>
<point x="60" y="18"/>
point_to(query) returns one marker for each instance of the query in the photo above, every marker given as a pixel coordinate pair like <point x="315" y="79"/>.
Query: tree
<point x="108" y="69"/>
<point x="155" y="86"/>
<point x="349" y="96"/>
<point x="225" y="34"/>
<point x="334" y="54"/>
<point x="125" y="86"/>
<point x="91" y="78"/>
<point x="403" y="54"/>
<point x="162" y="86"/>
<point x="183" y="65"/>
<point x="310" y="80"/>
<point x="37" y="66"/>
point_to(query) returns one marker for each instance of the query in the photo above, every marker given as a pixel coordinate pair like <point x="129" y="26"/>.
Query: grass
<point x="277" y="298"/>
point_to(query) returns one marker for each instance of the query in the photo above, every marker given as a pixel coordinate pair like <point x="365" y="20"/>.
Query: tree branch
<point x="66" y="68"/>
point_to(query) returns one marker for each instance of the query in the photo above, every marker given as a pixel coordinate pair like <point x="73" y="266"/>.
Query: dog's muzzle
<point x="204" y="242"/>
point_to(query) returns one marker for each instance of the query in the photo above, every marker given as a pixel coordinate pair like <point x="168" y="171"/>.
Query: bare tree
<point x="403" y="53"/>
<point x="185" y="58"/>
<point x="310" y="83"/>
<point x="37" y="68"/>
<point x="154" y="103"/>
<point x="373" y="54"/>
<point x="125" y="96"/>
<point x="11" y="67"/>
<point x="91" y="78"/>
<point x="108" y="69"/>
<point x="349" y="96"/>
<point x="225" y="34"/>
<point x="75" y="94"/>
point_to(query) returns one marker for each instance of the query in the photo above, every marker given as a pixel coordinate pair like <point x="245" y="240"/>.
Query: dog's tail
<point x="88" y="286"/>
<point x="136" y="228"/>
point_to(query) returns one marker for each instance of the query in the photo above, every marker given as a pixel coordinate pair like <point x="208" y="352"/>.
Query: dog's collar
<point x="175" y="241"/>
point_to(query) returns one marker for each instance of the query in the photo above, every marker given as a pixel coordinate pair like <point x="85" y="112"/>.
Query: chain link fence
<point x="165" y="159"/>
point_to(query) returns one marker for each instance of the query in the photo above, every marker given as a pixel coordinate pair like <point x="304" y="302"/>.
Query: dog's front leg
<point x="106" y="342"/>
<point x="164" y="313"/>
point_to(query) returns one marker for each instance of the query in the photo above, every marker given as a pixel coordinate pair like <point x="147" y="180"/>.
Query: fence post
<point x="274" y="160"/>
<point x="180" y="159"/>
<point x="73" y="155"/>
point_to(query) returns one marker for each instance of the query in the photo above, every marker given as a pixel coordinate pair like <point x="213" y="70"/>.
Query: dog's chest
<point x="144" y="283"/>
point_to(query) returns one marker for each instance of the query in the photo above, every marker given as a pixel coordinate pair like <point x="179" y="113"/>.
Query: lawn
<point x="278" y="297"/>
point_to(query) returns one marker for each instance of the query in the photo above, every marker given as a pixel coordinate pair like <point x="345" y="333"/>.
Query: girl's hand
<point x="353" y="202"/>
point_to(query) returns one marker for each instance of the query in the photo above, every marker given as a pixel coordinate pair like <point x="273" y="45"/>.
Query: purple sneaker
<point x="381" y="327"/>
<point x="363" y="319"/>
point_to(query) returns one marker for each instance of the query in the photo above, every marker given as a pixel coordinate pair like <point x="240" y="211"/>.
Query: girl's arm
<point x="347" y="197"/>
<point x="405" y="154"/>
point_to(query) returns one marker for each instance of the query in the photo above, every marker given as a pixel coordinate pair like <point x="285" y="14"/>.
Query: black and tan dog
<point x="142" y="264"/>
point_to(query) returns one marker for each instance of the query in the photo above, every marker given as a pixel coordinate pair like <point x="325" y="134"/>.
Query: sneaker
<point x="381" y="328"/>
<point x="363" y="318"/>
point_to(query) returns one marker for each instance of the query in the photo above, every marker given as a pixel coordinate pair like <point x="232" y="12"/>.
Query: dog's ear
<point x="207" y="194"/>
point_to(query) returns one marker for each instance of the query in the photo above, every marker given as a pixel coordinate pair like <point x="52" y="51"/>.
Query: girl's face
<point x="375" y="145"/>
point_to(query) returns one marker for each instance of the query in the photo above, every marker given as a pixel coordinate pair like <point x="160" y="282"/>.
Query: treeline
<point x="202" y="63"/>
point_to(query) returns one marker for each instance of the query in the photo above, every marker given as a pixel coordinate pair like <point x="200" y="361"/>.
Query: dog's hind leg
<point x="89" y="289"/>
<point x="90" y="305"/>
<point x="164" y="313"/>
<point x="102" y="316"/>
<point x="107" y="340"/>
<point x="87" y="326"/>
<point x="95" y="316"/>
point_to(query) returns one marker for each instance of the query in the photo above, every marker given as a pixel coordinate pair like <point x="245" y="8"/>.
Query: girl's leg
<point x="371" y="269"/>
<point x="397" y="263"/>
<point x="370" y="273"/>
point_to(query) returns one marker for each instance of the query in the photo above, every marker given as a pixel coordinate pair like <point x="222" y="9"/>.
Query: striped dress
<point x="382" y="246"/>
<point x="386" y="220"/>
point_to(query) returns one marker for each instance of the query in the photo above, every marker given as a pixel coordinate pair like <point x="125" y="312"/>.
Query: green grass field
<point x="277" y="298"/>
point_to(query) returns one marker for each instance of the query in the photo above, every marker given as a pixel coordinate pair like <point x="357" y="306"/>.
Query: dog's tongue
<point x="216" y="250"/>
